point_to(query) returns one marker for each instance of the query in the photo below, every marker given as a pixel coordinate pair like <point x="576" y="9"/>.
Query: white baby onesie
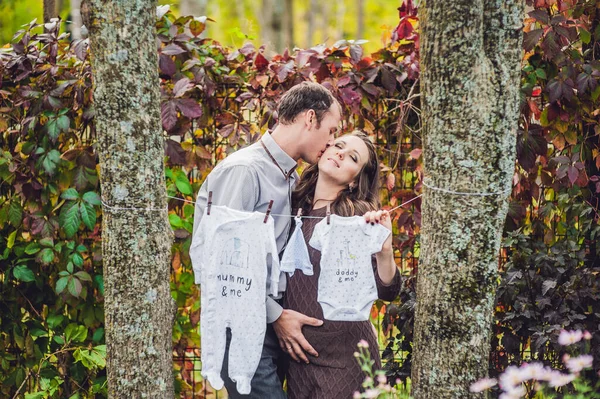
<point x="230" y="253"/>
<point x="295" y="256"/>
<point x="347" y="287"/>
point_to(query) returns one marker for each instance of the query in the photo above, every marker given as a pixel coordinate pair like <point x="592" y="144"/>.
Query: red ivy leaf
<point x="168" y="114"/>
<point x="166" y="65"/>
<point x="181" y="87"/>
<point x="531" y="38"/>
<point x="172" y="49"/>
<point x="175" y="153"/>
<point x="356" y="53"/>
<point x="189" y="107"/>
<point x="349" y="95"/>
<point x="573" y="173"/>
<point x="540" y="15"/>
<point x="261" y="62"/>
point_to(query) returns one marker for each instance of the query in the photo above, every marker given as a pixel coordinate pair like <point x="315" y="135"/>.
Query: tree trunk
<point x="197" y="8"/>
<point x="272" y="24"/>
<point x="340" y="11"/>
<point x="136" y="241"/>
<point x="288" y="22"/>
<point x="470" y="73"/>
<point x="312" y="11"/>
<point x="49" y="10"/>
<point x="360" y="9"/>
<point x="75" y="25"/>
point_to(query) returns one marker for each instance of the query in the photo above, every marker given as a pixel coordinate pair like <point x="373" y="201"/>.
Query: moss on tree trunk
<point x="136" y="243"/>
<point x="470" y="71"/>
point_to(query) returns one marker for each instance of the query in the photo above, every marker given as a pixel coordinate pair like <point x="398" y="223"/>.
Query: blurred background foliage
<point x="260" y="21"/>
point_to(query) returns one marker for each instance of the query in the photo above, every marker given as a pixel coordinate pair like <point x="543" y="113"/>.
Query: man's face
<point x="322" y="137"/>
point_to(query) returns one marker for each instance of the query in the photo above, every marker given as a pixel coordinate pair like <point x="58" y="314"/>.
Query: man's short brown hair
<point x="303" y="97"/>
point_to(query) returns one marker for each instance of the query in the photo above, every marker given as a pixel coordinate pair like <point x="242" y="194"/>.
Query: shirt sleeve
<point x="386" y="292"/>
<point x="234" y="186"/>
<point x="196" y="252"/>
<point x="271" y="250"/>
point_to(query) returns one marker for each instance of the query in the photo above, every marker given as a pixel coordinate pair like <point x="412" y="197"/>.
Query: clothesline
<point x="429" y="186"/>
<point x="304" y="217"/>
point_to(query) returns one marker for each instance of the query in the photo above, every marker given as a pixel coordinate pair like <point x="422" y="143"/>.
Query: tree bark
<point x="75" y="25"/>
<point x="312" y="11"/>
<point x="360" y="28"/>
<point x="136" y="241"/>
<point x="197" y="8"/>
<point x="49" y="10"/>
<point x="470" y="73"/>
<point x="288" y="23"/>
<point x="272" y="24"/>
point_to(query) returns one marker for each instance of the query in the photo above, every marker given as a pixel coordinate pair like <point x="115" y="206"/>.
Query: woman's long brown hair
<point x="364" y="196"/>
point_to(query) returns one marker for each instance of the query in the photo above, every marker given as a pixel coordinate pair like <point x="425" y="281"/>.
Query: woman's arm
<point x="388" y="277"/>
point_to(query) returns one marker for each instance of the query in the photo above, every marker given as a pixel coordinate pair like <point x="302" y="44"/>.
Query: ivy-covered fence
<point x="216" y="100"/>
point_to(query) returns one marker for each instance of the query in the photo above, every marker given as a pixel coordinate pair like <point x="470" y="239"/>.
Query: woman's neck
<point x="325" y="192"/>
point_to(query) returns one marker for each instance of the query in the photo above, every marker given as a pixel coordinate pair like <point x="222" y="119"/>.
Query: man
<point x="309" y="117"/>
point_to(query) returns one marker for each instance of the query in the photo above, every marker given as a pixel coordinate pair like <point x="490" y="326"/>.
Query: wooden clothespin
<point x="209" y="203"/>
<point x="268" y="211"/>
<point x="328" y="213"/>
<point x="299" y="213"/>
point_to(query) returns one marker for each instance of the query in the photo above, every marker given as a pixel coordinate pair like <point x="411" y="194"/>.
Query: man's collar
<point x="286" y="163"/>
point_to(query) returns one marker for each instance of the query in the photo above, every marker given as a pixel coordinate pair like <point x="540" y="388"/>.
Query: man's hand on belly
<point x="288" y="328"/>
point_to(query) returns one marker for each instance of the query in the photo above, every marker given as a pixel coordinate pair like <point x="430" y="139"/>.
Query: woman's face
<point x="343" y="161"/>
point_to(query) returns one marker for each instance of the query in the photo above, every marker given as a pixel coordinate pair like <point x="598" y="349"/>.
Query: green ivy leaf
<point x="15" y="213"/>
<point x="50" y="161"/>
<point x="46" y="256"/>
<point x="76" y="332"/>
<point x="47" y="242"/>
<point x="585" y="36"/>
<point x="52" y="129"/>
<point x="88" y="215"/>
<point x="55" y="320"/>
<point x="78" y="259"/>
<point x="91" y="358"/>
<point x="61" y="284"/>
<point x="32" y="248"/>
<point x="183" y="183"/>
<point x="100" y="283"/>
<point x="98" y="334"/>
<point x="69" y="218"/>
<point x="83" y="276"/>
<point x="63" y="123"/>
<point x="70" y="194"/>
<point x="11" y="239"/>
<point x="22" y="273"/>
<point x="36" y="395"/>
<point x="92" y="198"/>
<point x="175" y="221"/>
<point x="74" y="287"/>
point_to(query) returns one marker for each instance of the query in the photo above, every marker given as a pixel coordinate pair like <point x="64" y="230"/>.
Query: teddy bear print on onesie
<point x="346" y="287"/>
<point x="234" y="255"/>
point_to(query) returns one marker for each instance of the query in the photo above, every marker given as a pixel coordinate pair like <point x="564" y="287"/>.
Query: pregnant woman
<point x="346" y="180"/>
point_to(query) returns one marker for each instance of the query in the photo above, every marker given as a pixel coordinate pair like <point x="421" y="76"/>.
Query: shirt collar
<point x="286" y="163"/>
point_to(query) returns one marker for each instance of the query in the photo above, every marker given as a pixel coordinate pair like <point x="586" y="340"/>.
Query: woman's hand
<point x="381" y="217"/>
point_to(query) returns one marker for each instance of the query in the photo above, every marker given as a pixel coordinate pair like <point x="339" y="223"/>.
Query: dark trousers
<point x="267" y="382"/>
